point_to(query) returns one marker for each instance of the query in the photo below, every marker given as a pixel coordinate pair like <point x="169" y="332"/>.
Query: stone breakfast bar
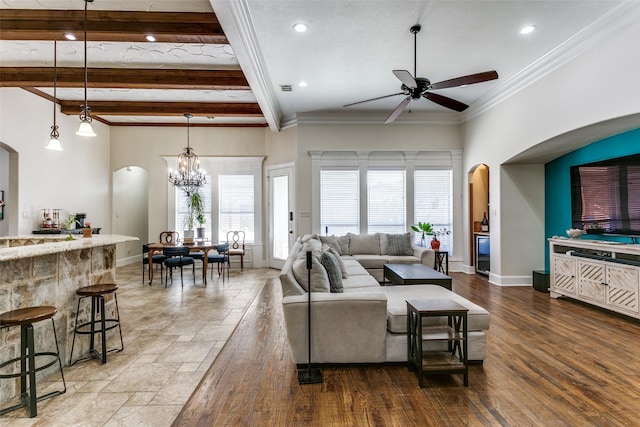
<point x="47" y="270"/>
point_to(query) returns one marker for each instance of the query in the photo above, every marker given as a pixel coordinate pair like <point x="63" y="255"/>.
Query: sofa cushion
<point x="331" y="250"/>
<point x="397" y="297"/>
<point x="319" y="278"/>
<point x="331" y="241"/>
<point x="343" y="241"/>
<point x="364" y="244"/>
<point x="366" y="282"/>
<point x="399" y="244"/>
<point x="330" y="263"/>
<point x="354" y="268"/>
<point x="371" y="261"/>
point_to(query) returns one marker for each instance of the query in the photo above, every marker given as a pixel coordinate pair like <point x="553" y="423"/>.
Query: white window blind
<point x="236" y="195"/>
<point x="386" y="203"/>
<point x="182" y="211"/>
<point x="433" y="201"/>
<point x="339" y="202"/>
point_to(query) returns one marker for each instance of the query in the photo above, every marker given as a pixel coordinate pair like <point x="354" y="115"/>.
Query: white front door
<point x="281" y="216"/>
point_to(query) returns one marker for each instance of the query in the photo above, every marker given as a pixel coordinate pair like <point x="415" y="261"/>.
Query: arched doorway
<point x="478" y="178"/>
<point x="9" y="187"/>
<point x="130" y="210"/>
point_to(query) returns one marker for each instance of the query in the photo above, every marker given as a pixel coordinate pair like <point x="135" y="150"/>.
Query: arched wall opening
<point x="130" y="211"/>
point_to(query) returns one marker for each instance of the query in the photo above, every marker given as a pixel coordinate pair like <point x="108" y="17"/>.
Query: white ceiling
<point x="347" y="55"/>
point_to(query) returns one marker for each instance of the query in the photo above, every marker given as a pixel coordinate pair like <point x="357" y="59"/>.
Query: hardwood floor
<point x="550" y="363"/>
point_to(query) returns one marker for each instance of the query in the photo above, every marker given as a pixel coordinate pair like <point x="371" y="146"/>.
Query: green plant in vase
<point x="425" y="228"/>
<point x="70" y="221"/>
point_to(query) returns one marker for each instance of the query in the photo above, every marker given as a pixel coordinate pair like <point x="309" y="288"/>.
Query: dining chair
<point x="170" y="237"/>
<point x="220" y="258"/>
<point x="156" y="259"/>
<point x="235" y="240"/>
<point x="177" y="256"/>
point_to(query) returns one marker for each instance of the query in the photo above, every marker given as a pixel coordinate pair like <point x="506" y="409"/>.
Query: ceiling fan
<point x="417" y="87"/>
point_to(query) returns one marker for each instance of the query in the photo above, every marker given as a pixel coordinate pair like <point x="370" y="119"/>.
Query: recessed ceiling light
<point x="302" y="84"/>
<point x="150" y="38"/>
<point x="69" y="36"/>
<point x="528" y="29"/>
<point x="301" y="28"/>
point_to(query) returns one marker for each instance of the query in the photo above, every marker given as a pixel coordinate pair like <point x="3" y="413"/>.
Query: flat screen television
<point x="605" y="196"/>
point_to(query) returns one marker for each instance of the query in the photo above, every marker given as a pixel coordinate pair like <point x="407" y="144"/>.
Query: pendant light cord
<point x="55" y="79"/>
<point x="86" y="2"/>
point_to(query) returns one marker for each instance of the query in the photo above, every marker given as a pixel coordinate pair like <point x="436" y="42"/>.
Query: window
<point x="386" y="201"/>
<point x="340" y="202"/>
<point x="433" y="200"/>
<point x="236" y="195"/>
<point x="182" y="212"/>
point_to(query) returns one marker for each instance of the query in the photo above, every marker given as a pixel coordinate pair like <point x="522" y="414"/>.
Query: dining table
<point x="196" y="246"/>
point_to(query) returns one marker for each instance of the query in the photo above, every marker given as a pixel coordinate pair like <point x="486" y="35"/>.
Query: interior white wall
<point x="73" y="180"/>
<point x="130" y="211"/>
<point x="597" y="86"/>
<point x="145" y="147"/>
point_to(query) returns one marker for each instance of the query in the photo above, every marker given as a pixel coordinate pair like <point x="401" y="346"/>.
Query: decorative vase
<point x="435" y="244"/>
<point x="86" y="232"/>
<point x="200" y="233"/>
<point x="422" y="242"/>
<point x="187" y="236"/>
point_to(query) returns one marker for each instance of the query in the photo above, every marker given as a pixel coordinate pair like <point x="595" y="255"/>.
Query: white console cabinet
<point x="605" y="274"/>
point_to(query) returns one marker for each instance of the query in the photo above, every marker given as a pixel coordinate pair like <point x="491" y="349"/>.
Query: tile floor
<point x="171" y="337"/>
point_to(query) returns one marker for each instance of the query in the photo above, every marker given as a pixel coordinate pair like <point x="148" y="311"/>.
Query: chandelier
<point x="188" y="177"/>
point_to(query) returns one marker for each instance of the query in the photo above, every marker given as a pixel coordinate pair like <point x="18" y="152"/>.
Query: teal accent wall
<point x="557" y="215"/>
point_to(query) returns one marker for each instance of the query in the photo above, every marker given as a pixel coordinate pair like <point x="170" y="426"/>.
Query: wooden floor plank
<point x="549" y="362"/>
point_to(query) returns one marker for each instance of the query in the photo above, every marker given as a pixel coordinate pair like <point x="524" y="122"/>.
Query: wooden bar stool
<point x="94" y="325"/>
<point x="25" y="318"/>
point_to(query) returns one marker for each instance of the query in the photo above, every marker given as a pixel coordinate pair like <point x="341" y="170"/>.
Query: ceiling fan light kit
<point x="414" y="87"/>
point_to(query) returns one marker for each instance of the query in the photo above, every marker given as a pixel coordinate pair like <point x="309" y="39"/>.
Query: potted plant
<point x="435" y="242"/>
<point x="195" y="213"/>
<point x="425" y="228"/>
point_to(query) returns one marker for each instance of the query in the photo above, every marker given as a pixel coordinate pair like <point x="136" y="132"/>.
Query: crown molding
<point x="444" y="118"/>
<point x="235" y="19"/>
<point x="607" y="26"/>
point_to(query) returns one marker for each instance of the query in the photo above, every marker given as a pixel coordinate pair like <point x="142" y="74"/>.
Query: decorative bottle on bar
<point x="484" y="225"/>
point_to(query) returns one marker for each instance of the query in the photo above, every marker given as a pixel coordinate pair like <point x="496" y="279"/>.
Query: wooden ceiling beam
<point x="127" y="78"/>
<point x="141" y="108"/>
<point x="111" y="25"/>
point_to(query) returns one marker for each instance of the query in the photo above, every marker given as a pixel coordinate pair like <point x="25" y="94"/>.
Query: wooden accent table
<point x="452" y="361"/>
<point x="415" y="274"/>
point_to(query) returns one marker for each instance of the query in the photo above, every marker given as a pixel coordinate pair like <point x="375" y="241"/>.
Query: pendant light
<point x="188" y="177"/>
<point x="85" y="128"/>
<point x="54" y="142"/>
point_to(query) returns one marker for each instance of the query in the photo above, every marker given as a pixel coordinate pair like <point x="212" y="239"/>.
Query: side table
<point x="441" y="263"/>
<point x="451" y="361"/>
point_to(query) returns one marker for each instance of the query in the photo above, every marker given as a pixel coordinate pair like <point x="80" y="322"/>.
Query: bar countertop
<point x="38" y="245"/>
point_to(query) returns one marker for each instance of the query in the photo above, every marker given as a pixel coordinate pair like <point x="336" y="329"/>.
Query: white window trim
<point x="412" y="160"/>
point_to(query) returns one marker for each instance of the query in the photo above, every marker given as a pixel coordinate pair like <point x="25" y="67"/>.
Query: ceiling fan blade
<point x="399" y="109"/>
<point x="374" y="99"/>
<point x="406" y="78"/>
<point x="446" y="101"/>
<point x="466" y="80"/>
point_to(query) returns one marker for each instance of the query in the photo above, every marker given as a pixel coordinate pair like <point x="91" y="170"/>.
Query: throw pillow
<point x="400" y="244"/>
<point x="364" y="244"/>
<point x="331" y="241"/>
<point x="330" y="249"/>
<point x="319" y="278"/>
<point x="330" y="263"/>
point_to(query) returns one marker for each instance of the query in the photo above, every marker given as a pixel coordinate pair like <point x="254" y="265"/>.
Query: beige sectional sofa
<point x="367" y="322"/>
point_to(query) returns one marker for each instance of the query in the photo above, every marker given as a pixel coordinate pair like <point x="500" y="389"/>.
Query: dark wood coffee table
<point x="415" y="274"/>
